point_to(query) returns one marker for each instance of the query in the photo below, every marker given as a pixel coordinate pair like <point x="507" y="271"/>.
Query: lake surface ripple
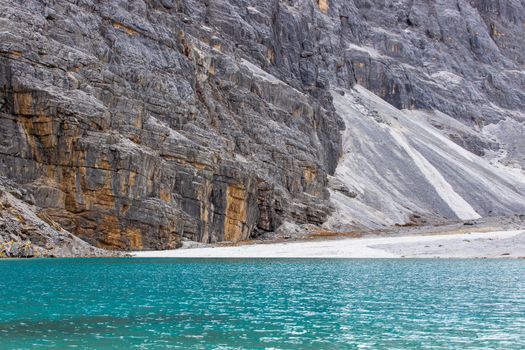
<point x="262" y="304"/>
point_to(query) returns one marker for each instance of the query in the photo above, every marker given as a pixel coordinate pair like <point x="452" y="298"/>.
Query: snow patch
<point x="365" y="49"/>
<point x="446" y="77"/>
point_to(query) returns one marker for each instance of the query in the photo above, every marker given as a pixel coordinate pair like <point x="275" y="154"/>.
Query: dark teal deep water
<point x="258" y="304"/>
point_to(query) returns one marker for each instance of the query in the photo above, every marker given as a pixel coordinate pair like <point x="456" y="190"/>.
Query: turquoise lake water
<point x="262" y="304"/>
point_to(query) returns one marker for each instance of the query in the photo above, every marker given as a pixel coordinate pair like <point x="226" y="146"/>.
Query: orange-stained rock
<point x="323" y="5"/>
<point x="235" y="223"/>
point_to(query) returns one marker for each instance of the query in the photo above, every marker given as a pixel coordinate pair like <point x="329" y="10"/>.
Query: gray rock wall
<point x="135" y="123"/>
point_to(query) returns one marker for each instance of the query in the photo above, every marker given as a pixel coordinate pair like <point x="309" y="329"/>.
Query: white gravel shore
<point x="464" y="245"/>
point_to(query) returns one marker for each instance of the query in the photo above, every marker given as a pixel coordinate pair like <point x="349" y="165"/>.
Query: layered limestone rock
<point x="27" y="231"/>
<point x="134" y="124"/>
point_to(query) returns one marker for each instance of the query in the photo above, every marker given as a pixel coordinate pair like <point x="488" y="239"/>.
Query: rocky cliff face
<point x="132" y="124"/>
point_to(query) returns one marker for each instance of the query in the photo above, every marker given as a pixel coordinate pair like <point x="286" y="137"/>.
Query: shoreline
<point x="494" y="244"/>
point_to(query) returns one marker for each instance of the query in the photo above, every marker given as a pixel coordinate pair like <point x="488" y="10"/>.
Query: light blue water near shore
<point x="258" y="304"/>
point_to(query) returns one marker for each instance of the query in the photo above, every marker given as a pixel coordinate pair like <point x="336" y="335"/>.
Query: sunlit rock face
<point x="133" y="124"/>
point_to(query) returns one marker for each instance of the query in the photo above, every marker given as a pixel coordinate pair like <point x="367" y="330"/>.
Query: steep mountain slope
<point x="133" y="124"/>
<point x="397" y="166"/>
